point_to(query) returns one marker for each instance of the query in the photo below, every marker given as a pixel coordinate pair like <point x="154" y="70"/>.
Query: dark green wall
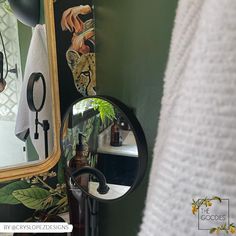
<point x="25" y="34"/>
<point x="132" y="39"/>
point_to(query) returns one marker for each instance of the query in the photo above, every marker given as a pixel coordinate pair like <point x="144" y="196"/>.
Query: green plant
<point x="106" y="110"/>
<point x="35" y="193"/>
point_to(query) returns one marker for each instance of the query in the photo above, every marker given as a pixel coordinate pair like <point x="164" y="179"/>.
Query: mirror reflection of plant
<point x="69" y="144"/>
<point x="105" y="109"/>
<point x="89" y="129"/>
<point x="93" y="159"/>
<point x="93" y="142"/>
<point x="35" y="193"/>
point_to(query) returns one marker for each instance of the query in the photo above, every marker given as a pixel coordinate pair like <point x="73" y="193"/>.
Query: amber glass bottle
<point x="80" y="160"/>
<point x="76" y="199"/>
<point x="116" y="139"/>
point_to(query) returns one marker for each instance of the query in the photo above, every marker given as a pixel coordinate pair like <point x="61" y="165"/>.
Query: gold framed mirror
<point x="41" y="164"/>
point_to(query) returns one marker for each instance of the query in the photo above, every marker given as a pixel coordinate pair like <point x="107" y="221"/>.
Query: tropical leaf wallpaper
<point x="75" y="35"/>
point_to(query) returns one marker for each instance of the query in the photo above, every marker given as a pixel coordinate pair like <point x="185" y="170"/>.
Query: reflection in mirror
<point x="17" y="121"/>
<point x="96" y="133"/>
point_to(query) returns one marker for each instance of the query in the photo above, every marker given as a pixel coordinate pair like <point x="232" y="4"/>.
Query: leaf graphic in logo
<point x="213" y="230"/>
<point x="217" y="198"/>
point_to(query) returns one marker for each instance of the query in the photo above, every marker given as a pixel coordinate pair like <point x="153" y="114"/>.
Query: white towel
<point x="195" y="151"/>
<point x="37" y="61"/>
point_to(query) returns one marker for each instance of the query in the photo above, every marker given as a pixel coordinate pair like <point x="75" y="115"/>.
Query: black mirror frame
<point x="139" y="137"/>
<point x="30" y="91"/>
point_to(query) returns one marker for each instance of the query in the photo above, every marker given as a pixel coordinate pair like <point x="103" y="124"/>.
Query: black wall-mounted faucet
<point x="102" y="188"/>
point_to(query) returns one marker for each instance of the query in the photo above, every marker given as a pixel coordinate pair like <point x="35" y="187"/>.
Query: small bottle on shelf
<point x="116" y="139"/>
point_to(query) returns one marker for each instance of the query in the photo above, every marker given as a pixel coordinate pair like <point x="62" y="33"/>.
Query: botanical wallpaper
<point x="80" y="55"/>
<point x="46" y="194"/>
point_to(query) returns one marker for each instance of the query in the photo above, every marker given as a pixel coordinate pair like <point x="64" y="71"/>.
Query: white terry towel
<point x="37" y="61"/>
<point x="195" y="151"/>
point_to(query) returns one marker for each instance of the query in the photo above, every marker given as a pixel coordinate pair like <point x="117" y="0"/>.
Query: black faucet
<point x="103" y="188"/>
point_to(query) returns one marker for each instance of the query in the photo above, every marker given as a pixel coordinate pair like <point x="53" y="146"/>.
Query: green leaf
<point x="105" y="109"/>
<point x="200" y="203"/>
<point x="6" y="196"/>
<point x="32" y="198"/>
<point x="212" y="230"/>
<point x="60" y="170"/>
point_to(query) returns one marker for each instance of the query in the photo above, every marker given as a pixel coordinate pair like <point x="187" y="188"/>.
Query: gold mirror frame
<point x="43" y="166"/>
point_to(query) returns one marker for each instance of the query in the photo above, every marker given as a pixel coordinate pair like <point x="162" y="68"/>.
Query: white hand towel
<point x="37" y="61"/>
<point x="195" y="151"/>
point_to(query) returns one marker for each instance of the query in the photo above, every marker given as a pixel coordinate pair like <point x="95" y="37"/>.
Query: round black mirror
<point x="36" y="96"/>
<point x="36" y="92"/>
<point x="104" y="147"/>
